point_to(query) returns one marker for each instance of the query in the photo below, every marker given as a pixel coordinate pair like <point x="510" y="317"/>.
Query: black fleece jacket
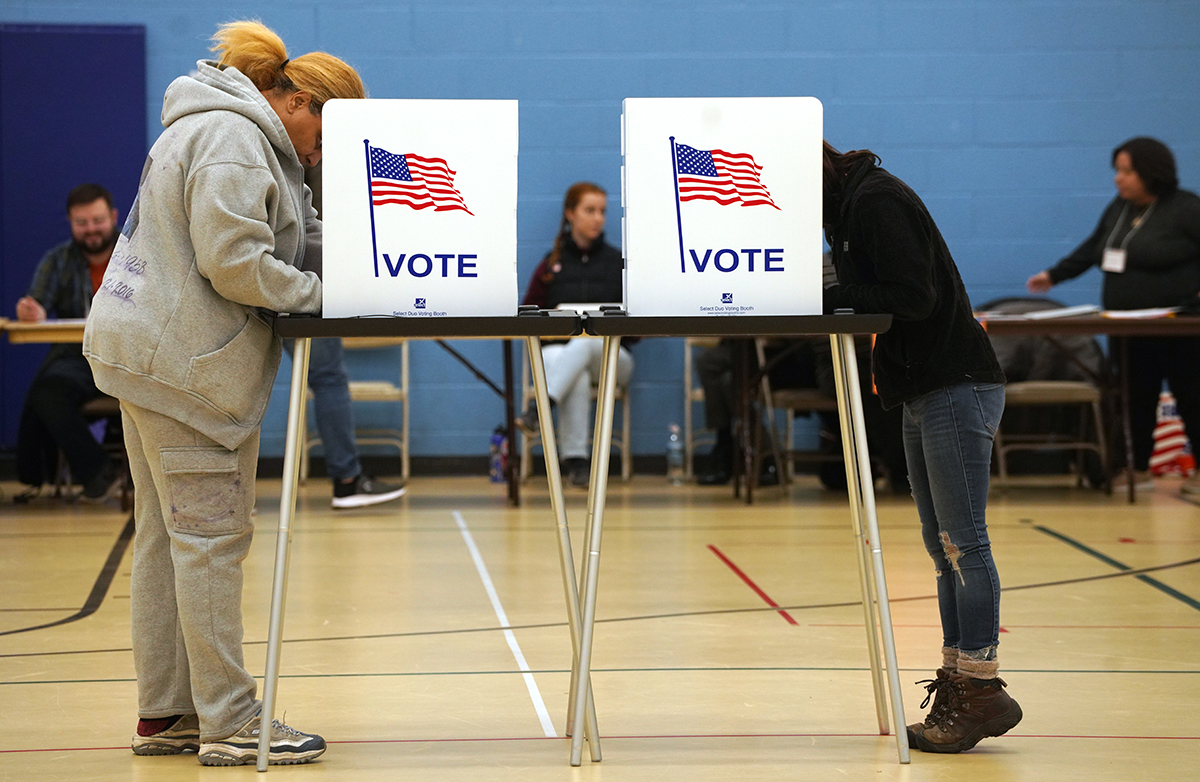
<point x="578" y="276"/>
<point x="891" y="258"/>
<point x="1162" y="262"/>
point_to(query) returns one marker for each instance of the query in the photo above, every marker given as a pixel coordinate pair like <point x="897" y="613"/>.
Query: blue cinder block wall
<point x="1002" y="114"/>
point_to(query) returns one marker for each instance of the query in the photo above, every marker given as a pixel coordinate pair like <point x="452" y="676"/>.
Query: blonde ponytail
<point x="256" y="51"/>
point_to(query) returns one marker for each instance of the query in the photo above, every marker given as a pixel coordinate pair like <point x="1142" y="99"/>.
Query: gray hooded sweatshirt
<point x="222" y="228"/>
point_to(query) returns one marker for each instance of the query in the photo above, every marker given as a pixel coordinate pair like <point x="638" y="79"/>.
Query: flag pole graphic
<point x="678" y="212"/>
<point x="371" y="205"/>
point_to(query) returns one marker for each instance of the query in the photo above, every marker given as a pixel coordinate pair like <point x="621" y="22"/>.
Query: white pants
<point x="572" y="368"/>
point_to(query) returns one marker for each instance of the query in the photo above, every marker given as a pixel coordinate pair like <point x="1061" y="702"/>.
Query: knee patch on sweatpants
<point x="206" y="491"/>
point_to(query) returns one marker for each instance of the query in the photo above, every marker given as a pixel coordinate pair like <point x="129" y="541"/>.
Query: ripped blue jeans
<point x="948" y="446"/>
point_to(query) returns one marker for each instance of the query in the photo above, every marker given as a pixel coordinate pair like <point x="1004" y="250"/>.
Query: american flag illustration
<point x="716" y="175"/>
<point x="413" y="181"/>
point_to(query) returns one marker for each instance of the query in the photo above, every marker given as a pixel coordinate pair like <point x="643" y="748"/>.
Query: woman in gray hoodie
<point x="222" y="230"/>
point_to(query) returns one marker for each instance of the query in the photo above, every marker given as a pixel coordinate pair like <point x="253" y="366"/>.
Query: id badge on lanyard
<point x="1114" y="260"/>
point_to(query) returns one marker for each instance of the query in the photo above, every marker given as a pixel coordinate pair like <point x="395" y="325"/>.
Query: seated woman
<point x="580" y="268"/>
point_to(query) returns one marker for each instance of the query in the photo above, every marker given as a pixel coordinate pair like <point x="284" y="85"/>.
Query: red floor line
<point x="766" y="598"/>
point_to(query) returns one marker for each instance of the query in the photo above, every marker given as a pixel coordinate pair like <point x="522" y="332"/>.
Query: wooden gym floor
<point x="395" y="650"/>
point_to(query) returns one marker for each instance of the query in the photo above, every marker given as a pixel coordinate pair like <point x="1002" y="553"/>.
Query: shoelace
<point x="277" y="728"/>
<point x="934" y="688"/>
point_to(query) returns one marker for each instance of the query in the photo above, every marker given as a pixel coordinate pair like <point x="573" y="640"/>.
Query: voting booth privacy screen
<point x="419" y="208"/>
<point x="722" y="206"/>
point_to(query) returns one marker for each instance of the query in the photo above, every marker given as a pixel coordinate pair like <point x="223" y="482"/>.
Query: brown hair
<point x="836" y="164"/>
<point x="84" y="194"/>
<point x="575" y="194"/>
<point x="256" y="51"/>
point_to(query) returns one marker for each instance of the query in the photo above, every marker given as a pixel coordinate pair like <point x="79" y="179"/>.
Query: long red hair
<point x="575" y="194"/>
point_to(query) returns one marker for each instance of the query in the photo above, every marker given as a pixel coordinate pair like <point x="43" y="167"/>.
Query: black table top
<point x="565" y="323"/>
<point x="544" y="323"/>
<point x="618" y="324"/>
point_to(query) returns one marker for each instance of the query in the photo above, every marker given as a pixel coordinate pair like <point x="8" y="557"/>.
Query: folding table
<point x="531" y="326"/>
<point x="1119" y="327"/>
<point x="612" y="325"/>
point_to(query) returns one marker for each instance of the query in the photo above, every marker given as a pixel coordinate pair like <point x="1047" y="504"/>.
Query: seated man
<point x="715" y="367"/>
<point x="808" y="363"/>
<point x="63" y="285"/>
<point x="803" y="363"/>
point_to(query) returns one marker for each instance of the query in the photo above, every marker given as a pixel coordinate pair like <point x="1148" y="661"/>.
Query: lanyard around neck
<point x="1137" y="223"/>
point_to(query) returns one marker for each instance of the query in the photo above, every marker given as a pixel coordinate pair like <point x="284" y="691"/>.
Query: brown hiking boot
<point x="977" y="708"/>
<point x="938" y="689"/>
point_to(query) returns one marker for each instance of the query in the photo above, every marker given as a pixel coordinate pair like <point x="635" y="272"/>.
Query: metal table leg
<point x="869" y="552"/>
<point x="566" y="556"/>
<point x="511" y="474"/>
<point x="1126" y="426"/>
<point x="297" y="409"/>
<point x="601" y="445"/>
<point x="855" y="488"/>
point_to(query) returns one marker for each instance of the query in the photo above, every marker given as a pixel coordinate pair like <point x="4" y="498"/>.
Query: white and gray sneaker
<point x="288" y="746"/>
<point x="167" y="738"/>
<point x="363" y="491"/>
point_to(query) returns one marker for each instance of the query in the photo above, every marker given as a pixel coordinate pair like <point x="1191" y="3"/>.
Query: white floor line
<point x="534" y="694"/>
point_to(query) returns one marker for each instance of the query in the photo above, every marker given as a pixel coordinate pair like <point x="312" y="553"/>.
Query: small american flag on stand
<point x="1172" y="453"/>
<point x="716" y="175"/>
<point x="413" y="181"/>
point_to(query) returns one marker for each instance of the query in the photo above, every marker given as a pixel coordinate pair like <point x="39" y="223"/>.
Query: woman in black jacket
<point x="581" y="268"/>
<point x="937" y="362"/>
<point x="1148" y="245"/>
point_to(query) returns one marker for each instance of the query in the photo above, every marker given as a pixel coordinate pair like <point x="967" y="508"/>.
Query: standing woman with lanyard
<point x="222" y="233"/>
<point x="938" y="363"/>
<point x="1147" y="243"/>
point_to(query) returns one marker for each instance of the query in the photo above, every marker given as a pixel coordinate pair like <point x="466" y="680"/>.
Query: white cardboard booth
<point x="722" y="206"/>
<point x="419" y="205"/>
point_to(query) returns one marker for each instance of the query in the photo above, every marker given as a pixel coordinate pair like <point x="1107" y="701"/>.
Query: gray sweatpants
<point x="192" y="512"/>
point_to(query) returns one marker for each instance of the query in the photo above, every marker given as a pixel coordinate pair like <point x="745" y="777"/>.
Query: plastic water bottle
<point x="674" y="455"/>
<point x="498" y="455"/>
